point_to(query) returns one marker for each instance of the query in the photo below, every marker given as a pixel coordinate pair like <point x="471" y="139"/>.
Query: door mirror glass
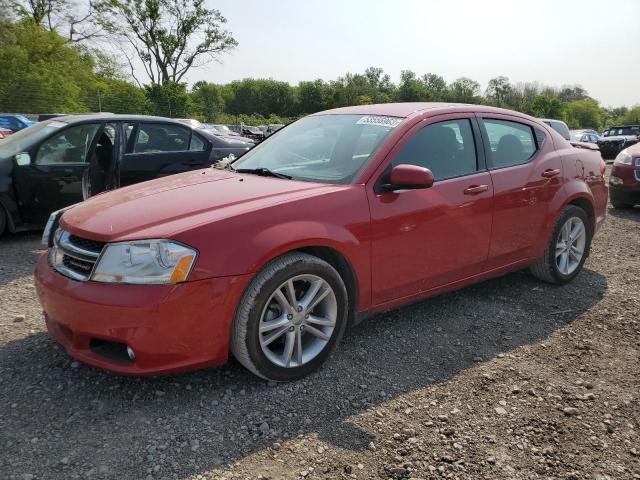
<point x="22" y="159"/>
<point x="405" y="177"/>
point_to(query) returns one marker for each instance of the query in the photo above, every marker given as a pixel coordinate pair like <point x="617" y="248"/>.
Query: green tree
<point x="498" y="91"/>
<point x="411" y="88"/>
<point x="313" y="96"/>
<point x="632" y="116"/>
<point x="435" y="86"/>
<point x="169" y="37"/>
<point x="72" y="19"/>
<point x="464" y="90"/>
<point x="170" y="100"/>
<point x="41" y="71"/>
<point x="207" y="101"/>
<point x="543" y="106"/>
<point x="119" y="96"/>
<point x="584" y="113"/>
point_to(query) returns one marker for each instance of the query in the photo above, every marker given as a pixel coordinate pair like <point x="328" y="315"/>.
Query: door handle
<point x="551" y="172"/>
<point x="476" y="189"/>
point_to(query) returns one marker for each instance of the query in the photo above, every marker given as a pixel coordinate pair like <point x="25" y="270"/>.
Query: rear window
<point x="561" y="128"/>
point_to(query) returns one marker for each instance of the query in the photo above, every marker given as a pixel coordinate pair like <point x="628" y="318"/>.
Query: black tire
<point x="545" y="268"/>
<point x="3" y="221"/>
<point x="245" y="336"/>
<point x="621" y="206"/>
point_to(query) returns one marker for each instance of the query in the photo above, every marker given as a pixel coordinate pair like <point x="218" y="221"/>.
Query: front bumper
<point x="169" y="327"/>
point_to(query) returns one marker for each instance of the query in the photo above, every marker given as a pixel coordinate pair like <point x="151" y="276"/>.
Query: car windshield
<point x="22" y="140"/>
<point x="635" y="130"/>
<point x="321" y="148"/>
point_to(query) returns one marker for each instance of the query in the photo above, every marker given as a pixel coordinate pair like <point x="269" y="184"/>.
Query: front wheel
<point x="291" y="318"/>
<point x="567" y="249"/>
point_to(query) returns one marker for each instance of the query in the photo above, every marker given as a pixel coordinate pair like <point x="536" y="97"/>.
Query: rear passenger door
<point x="527" y="173"/>
<point x="158" y="149"/>
<point x="422" y="239"/>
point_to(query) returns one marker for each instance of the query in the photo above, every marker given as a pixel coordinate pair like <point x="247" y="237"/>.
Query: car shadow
<point x="56" y="411"/>
<point x="14" y="264"/>
<point x="632" y="213"/>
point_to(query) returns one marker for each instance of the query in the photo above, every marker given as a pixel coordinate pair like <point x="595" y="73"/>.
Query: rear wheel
<point x="568" y="247"/>
<point x="291" y="318"/>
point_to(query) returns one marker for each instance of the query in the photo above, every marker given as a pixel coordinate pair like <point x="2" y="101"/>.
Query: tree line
<point x="72" y="64"/>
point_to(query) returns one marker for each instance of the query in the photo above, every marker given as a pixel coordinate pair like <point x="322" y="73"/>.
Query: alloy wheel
<point x="570" y="245"/>
<point x="298" y="321"/>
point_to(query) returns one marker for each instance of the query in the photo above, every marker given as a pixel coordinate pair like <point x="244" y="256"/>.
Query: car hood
<point x="167" y="206"/>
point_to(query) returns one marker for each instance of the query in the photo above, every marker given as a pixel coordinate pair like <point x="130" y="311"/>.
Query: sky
<point x="595" y="44"/>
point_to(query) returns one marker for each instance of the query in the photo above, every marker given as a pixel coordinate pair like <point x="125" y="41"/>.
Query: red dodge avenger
<point x="341" y="214"/>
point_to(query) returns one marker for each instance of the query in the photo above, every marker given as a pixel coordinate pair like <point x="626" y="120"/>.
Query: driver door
<point x="53" y="179"/>
<point x="427" y="238"/>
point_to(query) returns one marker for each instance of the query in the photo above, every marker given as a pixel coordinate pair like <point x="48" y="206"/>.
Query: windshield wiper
<point x="262" y="171"/>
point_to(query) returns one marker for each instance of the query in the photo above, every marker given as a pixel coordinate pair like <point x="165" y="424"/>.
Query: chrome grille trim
<point x="64" y="249"/>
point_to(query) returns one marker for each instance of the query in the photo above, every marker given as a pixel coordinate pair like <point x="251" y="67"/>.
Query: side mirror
<point x="409" y="177"/>
<point x="22" y="159"/>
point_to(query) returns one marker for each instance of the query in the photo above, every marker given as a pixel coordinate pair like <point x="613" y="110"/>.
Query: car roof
<point x="115" y="117"/>
<point x="408" y="109"/>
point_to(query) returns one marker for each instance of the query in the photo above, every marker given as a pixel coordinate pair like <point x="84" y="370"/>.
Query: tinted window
<point x="541" y="137"/>
<point x="71" y="145"/>
<point x="158" y="137"/>
<point x="7" y="122"/>
<point x="197" y="143"/>
<point x="511" y="143"/>
<point x="446" y="148"/>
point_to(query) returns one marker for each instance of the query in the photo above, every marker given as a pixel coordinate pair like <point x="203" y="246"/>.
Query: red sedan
<point x="339" y="215"/>
<point x="624" y="181"/>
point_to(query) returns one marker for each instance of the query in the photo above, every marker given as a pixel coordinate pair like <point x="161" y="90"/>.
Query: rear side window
<point x="511" y="143"/>
<point x="158" y="137"/>
<point x="197" y="143"/>
<point x="446" y="148"/>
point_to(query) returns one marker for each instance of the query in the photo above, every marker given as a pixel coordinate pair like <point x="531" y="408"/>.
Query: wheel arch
<point x="344" y="268"/>
<point x="573" y="193"/>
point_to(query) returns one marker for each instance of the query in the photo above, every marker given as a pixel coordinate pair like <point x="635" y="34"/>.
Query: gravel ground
<point x="508" y="379"/>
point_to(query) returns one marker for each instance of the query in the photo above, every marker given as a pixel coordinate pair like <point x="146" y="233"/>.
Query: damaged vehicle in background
<point x="62" y="161"/>
<point x="616" y="139"/>
<point x="342" y="214"/>
<point x="624" y="181"/>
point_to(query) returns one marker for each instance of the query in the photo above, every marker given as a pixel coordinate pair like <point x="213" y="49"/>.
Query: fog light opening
<point x="130" y="353"/>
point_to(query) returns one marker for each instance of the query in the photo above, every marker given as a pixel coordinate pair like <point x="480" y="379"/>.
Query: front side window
<point x="511" y="143"/>
<point x="321" y="148"/>
<point x="445" y="148"/>
<point x="158" y="137"/>
<point x="70" y="145"/>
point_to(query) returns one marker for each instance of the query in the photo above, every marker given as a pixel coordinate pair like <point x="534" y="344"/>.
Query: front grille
<point x="78" y="266"/>
<point x="86" y="243"/>
<point x="74" y="256"/>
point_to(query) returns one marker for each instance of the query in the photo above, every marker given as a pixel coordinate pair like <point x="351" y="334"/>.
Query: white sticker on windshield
<point x="380" y="120"/>
<point x="56" y="124"/>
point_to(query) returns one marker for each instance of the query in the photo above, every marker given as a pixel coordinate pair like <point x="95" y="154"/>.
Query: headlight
<point x="144" y="262"/>
<point x="52" y="225"/>
<point x="623" y="158"/>
<point x="615" y="180"/>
